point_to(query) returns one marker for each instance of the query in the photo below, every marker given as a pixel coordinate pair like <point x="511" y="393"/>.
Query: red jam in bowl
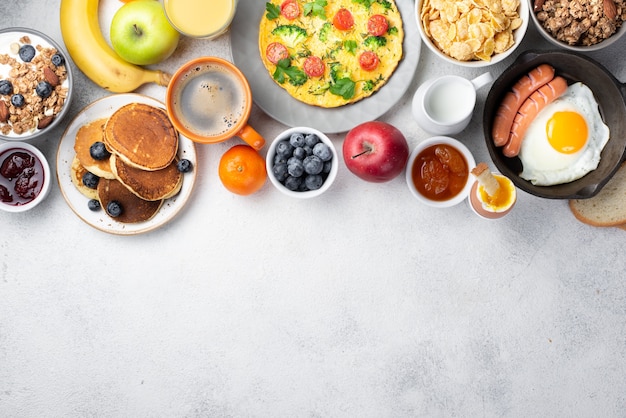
<point x="21" y="176"/>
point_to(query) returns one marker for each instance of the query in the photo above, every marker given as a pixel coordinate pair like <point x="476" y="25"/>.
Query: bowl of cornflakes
<point x="472" y="33"/>
<point x="35" y="84"/>
<point x="590" y="26"/>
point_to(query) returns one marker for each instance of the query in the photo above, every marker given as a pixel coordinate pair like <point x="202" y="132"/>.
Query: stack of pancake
<point x="141" y="171"/>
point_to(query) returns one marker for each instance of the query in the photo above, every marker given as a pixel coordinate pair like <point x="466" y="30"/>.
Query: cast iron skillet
<point x="611" y="97"/>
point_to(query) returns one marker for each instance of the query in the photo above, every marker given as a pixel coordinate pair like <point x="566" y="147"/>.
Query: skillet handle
<point x="586" y="192"/>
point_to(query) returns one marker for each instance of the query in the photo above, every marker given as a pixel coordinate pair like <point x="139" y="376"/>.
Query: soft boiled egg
<point x="564" y="141"/>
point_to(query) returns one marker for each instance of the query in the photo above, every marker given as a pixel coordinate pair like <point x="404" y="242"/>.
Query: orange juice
<point x="200" y="18"/>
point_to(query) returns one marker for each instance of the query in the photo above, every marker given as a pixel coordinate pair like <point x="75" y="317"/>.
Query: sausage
<point x="531" y="107"/>
<point x="512" y="101"/>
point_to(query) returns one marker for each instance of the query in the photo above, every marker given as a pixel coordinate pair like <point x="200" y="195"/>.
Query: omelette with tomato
<point x="331" y="53"/>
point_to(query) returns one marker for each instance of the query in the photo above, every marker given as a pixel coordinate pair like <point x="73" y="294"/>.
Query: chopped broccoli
<point x="291" y="35"/>
<point x="323" y="35"/>
<point x="319" y="89"/>
<point x="375" y="42"/>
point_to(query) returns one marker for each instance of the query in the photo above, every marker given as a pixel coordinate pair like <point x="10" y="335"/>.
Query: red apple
<point x="375" y="151"/>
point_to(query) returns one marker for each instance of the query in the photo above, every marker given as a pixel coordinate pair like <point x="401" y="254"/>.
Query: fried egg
<point x="564" y="141"/>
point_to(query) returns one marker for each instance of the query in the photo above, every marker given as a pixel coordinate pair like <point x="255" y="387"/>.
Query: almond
<point x="50" y="76"/>
<point x="4" y="111"/>
<point x="609" y="9"/>
<point x="45" y="121"/>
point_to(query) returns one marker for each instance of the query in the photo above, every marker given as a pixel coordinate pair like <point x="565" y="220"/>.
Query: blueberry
<point x="93" y="205"/>
<point x="279" y="160"/>
<point x="114" y="208"/>
<point x="303" y="187"/>
<point x="57" y="60"/>
<point x="43" y="89"/>
<point x="308" y="149"/>
<point x="90" y="180"/>
<point x="294" y="160"/>
<point x="293" y="183"/>
<point x="98" y="151"/>
<point x="280" y="171"/>
<point x="184" y="165"/>
<point x="295" y="168"/>
<point x="27" y="53"/>
<point x="17" y="100"/>
<point x="296" y="140"/>
<point x="323" y="151"/>
<point x="299" y="153"/>
<point x="311" y="139"/>
<point x="327" y="166"/>
<point x="6" y="87"/>
<point x="313" y="164"/>
<point x="313" y="181"/>
<point x="284" y="149"/>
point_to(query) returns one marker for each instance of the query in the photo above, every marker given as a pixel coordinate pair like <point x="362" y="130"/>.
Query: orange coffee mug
<point x="209" y="100"/>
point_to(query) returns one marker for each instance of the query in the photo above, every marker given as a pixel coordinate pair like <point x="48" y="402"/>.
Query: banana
<point x="91" y="53"/>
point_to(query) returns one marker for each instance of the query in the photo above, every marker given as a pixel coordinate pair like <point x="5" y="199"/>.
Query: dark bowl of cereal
<point x="579" y="25"/>
<point x="35" y="84"/>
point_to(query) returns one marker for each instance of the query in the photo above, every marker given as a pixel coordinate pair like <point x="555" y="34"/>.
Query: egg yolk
<point x="567" y="132"/>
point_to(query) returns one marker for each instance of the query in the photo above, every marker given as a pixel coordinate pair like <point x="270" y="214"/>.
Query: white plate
<point x="276" y="102"/>
<point x="78" y="202"/>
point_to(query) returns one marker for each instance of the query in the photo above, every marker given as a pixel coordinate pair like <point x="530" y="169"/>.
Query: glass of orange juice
<point x="205" y="19"/>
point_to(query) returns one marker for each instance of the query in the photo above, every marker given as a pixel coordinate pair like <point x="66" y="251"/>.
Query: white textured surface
<point x="360" y="303"/>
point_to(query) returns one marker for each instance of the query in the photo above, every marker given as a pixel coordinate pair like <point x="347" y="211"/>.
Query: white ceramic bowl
<point x="469" y="160"/>
<point x="271" y="152"/>
<point x="518" y="35"/>
<point x="578" y="48"/>
<point x="10" y="36"/>
<point x="42" y="173"/>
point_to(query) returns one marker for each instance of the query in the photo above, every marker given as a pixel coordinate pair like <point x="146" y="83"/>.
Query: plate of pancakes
<point x="138" y="172"/>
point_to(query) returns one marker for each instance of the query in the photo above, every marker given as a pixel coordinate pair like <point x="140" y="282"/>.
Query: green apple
<point x="141" y="33"/>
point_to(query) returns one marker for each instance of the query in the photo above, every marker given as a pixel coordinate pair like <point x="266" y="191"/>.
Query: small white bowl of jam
<point x="25" y="177"/>
<point x="438" y="171"/>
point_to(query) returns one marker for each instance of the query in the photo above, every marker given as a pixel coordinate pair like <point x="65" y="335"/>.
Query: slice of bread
<point x="608" y="207"/>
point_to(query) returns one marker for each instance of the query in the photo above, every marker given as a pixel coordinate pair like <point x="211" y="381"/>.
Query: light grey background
<point x="361" y="303"/>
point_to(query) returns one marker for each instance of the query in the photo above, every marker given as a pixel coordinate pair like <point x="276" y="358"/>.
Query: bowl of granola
<point x="35" y="84"/>
<point x="579" y="25"/>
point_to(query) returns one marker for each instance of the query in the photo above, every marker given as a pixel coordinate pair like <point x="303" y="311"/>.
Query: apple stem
<point x="137" y="30"/>
<point x="368" y="149"/>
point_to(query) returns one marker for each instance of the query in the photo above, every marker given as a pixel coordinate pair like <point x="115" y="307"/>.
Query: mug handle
<point x="482" y="80"/>
<point x="251" y="137"/>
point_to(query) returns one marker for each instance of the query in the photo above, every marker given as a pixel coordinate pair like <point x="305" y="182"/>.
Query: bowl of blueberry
<point x="35" y="84"/>
<point x="302" y="162"/>
<point x="25" y="177"/>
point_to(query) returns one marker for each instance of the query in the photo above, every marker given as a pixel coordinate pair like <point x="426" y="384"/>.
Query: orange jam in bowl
<point x="439" y="170"/>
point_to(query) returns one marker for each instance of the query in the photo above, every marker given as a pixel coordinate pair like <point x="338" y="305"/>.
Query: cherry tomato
<point x="343" y="19"/>
<point x="368" y="61"/>
<point x="377" y="25"/>
<point x="290" y="9"/>
<point x="276" y="52"/>
<point x="314" y="66"/>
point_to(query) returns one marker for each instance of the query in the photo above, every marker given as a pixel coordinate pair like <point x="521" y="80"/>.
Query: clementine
<point x="242" y="170"/>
